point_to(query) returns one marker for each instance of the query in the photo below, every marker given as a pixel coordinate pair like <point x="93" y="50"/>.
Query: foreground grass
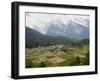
<point x="56" y="56"/>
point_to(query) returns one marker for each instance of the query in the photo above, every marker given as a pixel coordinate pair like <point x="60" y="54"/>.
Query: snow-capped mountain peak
<point x="59" y="25"/>
<point x="70" y="30"/>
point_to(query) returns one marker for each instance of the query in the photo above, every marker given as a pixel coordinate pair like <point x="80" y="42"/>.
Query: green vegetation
<point x="57" y="55"/>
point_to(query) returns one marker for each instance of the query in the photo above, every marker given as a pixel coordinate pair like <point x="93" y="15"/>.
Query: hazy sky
<point x="41" y="20"/>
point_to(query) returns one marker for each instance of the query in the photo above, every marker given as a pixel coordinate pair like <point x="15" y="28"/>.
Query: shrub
<point x="43" y="64"/>
<point x="28" y="63"/>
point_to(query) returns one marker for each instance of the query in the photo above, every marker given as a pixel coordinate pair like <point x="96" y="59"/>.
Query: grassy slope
<point x="66" y="56"/>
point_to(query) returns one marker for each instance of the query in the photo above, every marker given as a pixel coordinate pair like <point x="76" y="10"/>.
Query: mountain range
<point x="57" y="33"/>
<point x="71" y="30"/>
<point x="34" y="39"/>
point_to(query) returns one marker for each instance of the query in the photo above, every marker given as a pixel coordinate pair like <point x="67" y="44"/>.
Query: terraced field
<point x="58" y="55"/>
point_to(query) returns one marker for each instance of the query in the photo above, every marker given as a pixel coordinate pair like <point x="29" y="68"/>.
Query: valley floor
<point x="56" y="56"/>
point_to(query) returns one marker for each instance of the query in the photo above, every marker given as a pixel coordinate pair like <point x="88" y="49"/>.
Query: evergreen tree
<point x="43" y="64"/>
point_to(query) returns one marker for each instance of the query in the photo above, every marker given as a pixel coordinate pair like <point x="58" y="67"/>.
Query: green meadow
<point x="57" y="55"/>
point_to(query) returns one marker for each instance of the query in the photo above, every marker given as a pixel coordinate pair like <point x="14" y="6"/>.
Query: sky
<point x="40" y="21"/>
